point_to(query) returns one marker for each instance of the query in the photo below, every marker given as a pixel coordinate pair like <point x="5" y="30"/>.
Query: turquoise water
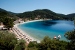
<point x="51" y="28"/>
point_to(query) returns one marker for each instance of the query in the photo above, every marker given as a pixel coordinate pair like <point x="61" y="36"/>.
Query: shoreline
<point x="23" y="35"/>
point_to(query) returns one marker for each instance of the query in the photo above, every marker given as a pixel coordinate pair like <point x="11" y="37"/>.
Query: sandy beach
<point x="23" y="35"/>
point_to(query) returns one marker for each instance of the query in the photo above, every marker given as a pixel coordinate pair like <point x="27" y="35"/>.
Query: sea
<point x="51" y="28"/>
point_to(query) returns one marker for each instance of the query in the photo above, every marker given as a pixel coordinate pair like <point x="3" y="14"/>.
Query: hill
<point x="4" y="14"/>
<point x="39" y="13"/>
<point x="45" y="13"/>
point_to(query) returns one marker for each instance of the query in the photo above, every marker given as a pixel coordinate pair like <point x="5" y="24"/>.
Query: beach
<point x="23" y="35"/>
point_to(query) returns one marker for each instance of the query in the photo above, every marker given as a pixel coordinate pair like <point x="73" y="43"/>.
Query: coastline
<point x="23" y="35"/>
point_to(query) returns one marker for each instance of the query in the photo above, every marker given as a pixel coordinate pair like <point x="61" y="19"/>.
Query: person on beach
<point x="55" y="37"/>
<point x="59" y="36"/>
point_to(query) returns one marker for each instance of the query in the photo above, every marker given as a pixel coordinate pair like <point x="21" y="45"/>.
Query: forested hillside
<point x="39" y="13"/>
<point x="4" y="14"/>
<point x="44" y="13"/>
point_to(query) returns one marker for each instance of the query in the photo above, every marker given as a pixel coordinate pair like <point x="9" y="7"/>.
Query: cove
<point x="51" y="28"/>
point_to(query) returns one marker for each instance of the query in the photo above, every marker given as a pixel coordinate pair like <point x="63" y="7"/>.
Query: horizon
<point x="61" y="7"/>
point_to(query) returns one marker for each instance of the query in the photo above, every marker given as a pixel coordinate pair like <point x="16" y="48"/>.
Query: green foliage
<point x="6" y="18"/>
<point x="71" y="36"/>
<point x="52" y="44"/>
<point x="44" y="13"/>
<point x="6" y="14"/>
<point x="7" y="40"/>
<point x="33" y="45"/>
<point x="70" y="16"/>
<point x="74" y="22"/>
<point x="8" y="22"/>
<point x="2" y="16"/>
<point x="20" y="45"/>
<point x="49" y="44"/>
<point x="32" y="48"/>
<point x="48" y="49"/>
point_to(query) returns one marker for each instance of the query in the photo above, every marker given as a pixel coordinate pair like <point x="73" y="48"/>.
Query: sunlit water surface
<point x="51" y="28"/>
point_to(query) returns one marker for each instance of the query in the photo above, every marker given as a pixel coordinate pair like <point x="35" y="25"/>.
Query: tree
<point x="20" y="45"/>
<point x="8" y="22"/>
<point x="46" y="43"/>
<point x="7" y="40"/>
<point x="71" y="36"/>
<point x="51" y="44"/>
<point x="33" y="45"/>
<point x="74" y="22"/>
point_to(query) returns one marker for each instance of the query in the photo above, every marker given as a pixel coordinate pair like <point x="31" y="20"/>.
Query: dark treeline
<point x="55" y="44"/>
<point x="8" y="41"/>
<point x="7" y="18"/>
<point x="45" y="13"/>
<point x="6" y="14"/>
<point x="39" y="13"/>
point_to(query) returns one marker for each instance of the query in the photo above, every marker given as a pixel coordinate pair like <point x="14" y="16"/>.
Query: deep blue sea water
<point x="51" y="28"/>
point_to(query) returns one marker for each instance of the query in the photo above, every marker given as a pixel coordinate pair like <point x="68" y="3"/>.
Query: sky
<point x="20" y="6"/>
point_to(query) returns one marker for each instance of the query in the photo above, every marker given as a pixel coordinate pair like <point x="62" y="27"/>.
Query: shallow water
<point x="51" y="28"/>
